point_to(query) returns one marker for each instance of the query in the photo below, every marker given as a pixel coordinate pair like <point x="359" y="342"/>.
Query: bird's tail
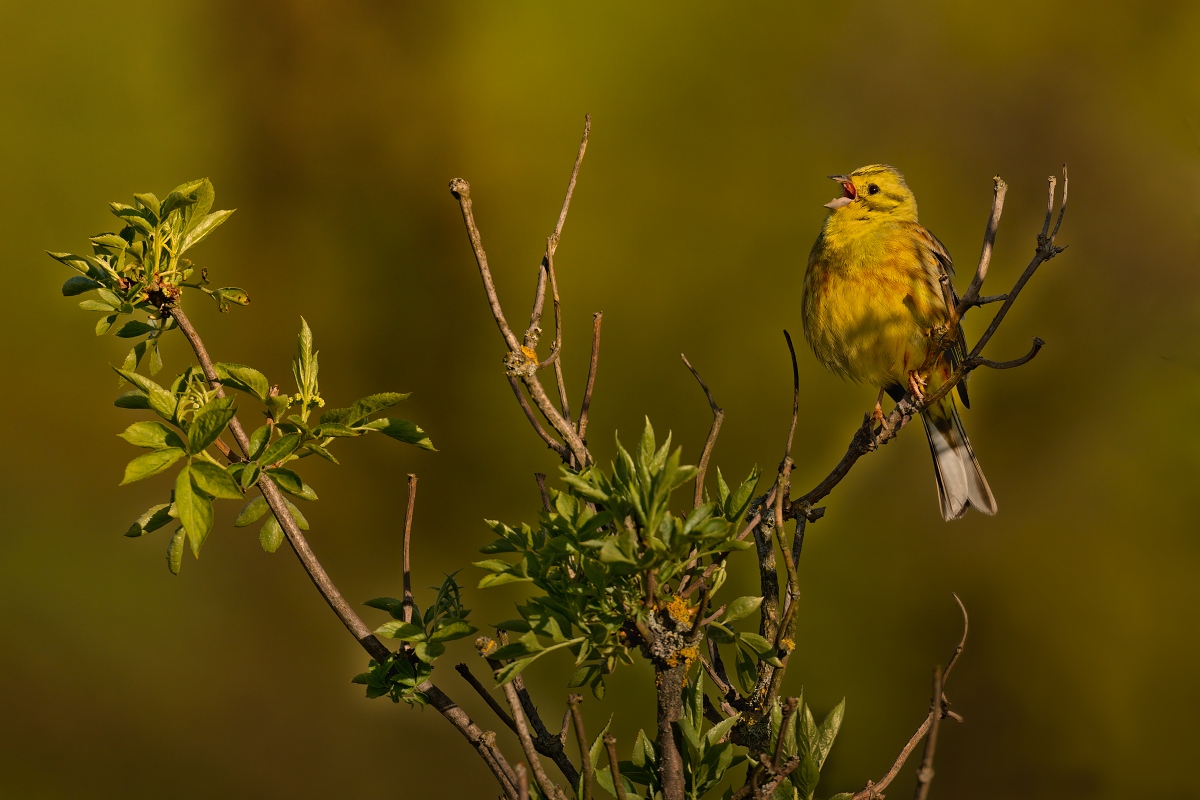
<point x="960" y="481"/>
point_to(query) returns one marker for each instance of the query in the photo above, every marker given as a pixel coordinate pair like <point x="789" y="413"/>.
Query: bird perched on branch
<point x="875" y="307"/>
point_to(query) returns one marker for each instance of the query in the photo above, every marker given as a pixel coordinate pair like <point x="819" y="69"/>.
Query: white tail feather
<point x="960" y="481"/>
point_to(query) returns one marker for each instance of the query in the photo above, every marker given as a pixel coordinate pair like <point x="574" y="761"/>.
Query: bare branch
<point x="541" y="482"/>
<point x="521" y="361"/>
<point x="597" y="318"/>
<point x="406" y="562"/>
<point x="1016" y="362"/>
<point x="999" y="188"/>
<point x="550" y="441"/>
<point x="718" y="417"/>
<point x="482" y="691"/>
<point x="586" y="763"/>
<point x="610" y="745"/>
<point x="548" y="788"/>
<point x="556" y="350"/>
<point x="522" y="782"/>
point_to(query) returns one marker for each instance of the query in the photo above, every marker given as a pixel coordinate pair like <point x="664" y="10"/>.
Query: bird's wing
<point x="940" y="264"/>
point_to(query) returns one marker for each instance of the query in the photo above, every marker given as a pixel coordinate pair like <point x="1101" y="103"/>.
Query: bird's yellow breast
<point x="870" y="300"/>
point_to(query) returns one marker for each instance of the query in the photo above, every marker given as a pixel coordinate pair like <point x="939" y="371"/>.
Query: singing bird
<point x="873" y="298"/>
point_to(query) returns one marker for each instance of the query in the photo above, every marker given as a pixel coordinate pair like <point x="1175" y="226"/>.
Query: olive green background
<point x="334" y="128"/>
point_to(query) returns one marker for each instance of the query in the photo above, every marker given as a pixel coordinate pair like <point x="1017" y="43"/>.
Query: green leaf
<point x="741" y="608"/>
<point x="209" y="423"/>
<point x="175" y="551"/>
<point x="231" y="294"/>
<point x="399" y="629"/>
<point x="746" y="672"/>
<point x="154" y="435"/>
<point x="389" y="604"/>
<point x="252" y="513"/>
<point x="322" y="452"/>
<point x="372" y="404"/>
<point x="149" y="201"/>
<point x="151" y="463"/>
<point x="258" y="441"/>
<point x="717" y="732"/>
<point x="280" y="449"/>
<point x="270" y="536"/>
<point x="452" y="629"/>
<point x="135" y="398"/>
<point x="301" y="522"/>
<point x="199" y="231"/>
<point x="402" y="431"/>
<point x="246" y="379"/>
<point x="78" y="284"/>
<point x="194" y="509"/>
<point x="162" y="401"/>
<point x="214" y="481"/>
<point x="203" y="192"/>
<point x="719" y="633"/>
<point x="338" y="430"/>
<point x="829" y="731"/>
<point x="154" y="518"/>
<point x="291" y="483"/>
<point x="134" y="329"/>
<point x="104" y="323"/>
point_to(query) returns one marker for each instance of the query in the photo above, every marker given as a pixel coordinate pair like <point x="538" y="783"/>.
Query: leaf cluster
<point x="423" y="640"/>
<point x="606" y="557"/>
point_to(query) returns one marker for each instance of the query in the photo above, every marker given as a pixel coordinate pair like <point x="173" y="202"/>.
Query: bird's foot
<point x="916" y="385"/>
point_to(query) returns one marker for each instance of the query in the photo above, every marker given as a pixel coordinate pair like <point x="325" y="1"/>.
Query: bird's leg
<point x="916" y="384"/>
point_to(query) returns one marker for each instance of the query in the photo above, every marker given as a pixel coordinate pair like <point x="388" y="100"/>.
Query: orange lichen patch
<point x="678" y="610"/>
<point x="787" y="644"/>
<point x="529" y="353"/>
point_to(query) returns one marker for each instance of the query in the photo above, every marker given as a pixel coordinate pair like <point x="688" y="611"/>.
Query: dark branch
<point x="548" y="788"/>
<point x="1016" y="362"/>
<point x="482" y="691"/>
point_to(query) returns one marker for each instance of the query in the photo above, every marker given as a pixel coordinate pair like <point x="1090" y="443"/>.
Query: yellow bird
<point x="872" y="298"/>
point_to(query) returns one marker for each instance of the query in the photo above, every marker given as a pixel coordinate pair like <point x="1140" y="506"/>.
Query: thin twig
<point x="519" y="361"/>
<point x="548" y="788"/>
<point x="1016" y="362"/>
<point x="482" y="691"/>
<point x="556" y="349"/>
<point x="573" y="701"/>
<point x="522" y="782"/>
<point x="999" y="189"/>
<point x="406" y="562"/>
<point x="541" y="483"/>
<point x="597" y="318"/>
<point x="718" y="417"/>
<point x="610" y="745"/>
<point x="550" y="441"/>
<point x="925" y="773"/>
<point x="873" y="791"/>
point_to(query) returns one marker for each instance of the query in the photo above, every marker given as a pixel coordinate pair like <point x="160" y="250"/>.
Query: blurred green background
<point x="334" y="129"/>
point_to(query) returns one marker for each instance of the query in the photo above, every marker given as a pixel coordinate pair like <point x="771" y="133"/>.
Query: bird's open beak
<point x="850" y="194"/>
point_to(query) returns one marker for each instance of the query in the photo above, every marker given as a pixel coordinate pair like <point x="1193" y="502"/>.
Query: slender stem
<point x="522" y="782"/>
<point x="541" y="483"/>
<point x="610" y="745"/>
<point x="999" y="189"/>
<point x="550" y="441"/>
<point x="925" y="773"/>
<point x="482" y="691"/>
<point x="407" y="603"/>
<point x="597" y="318"/>
<point x="573" y="701"/>
<point x="709" y="443"/>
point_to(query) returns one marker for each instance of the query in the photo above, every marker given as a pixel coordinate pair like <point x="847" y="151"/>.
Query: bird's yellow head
<point x="877" y="190"/>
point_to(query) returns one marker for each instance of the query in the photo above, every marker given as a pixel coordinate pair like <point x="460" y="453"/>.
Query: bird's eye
<point x="872" y="189"/>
